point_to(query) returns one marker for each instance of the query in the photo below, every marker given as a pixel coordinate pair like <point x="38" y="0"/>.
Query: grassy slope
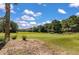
<point x="69" y="42"/>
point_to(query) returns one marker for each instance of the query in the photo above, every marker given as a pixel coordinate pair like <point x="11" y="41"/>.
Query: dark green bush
<point x="14" y="37"/>
<point x="24" y="38"/>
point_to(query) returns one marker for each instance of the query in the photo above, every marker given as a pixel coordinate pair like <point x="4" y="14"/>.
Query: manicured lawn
<point x="67" y="41"/>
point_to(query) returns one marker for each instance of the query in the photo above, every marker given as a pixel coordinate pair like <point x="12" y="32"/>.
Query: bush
<point x="14" y="37"/>
<point x="24" y="38"/>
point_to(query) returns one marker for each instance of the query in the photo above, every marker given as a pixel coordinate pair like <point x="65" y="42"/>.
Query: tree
<point x="56" y="26"/>
<point x="47" y="27"/>
<point x="7" y="22"/>
<point x="2" y="20"/>
<point x="65" y="25"/>
<point x="73" y="22"/>
<point x="41" y="28"/>
<point x="13" y="27"/>
<point x="35" y="29"/>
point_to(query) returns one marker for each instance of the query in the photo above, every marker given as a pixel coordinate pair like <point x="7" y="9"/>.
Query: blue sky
<point x="32" y="14"/>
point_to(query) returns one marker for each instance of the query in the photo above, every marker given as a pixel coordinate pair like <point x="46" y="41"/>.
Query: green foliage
<point x="14" y="37"/>
<point x="41" y="28"/>
<point x="24" y="38"/>
<point x="34" y="29"/>
<point x="70" y="24"/>
<point x="13" y="26"/>
<point x="65" y="25"/>
<point x="1" y="38"/>
<point x="73" y="22"/>
<point x="56" y="26"/>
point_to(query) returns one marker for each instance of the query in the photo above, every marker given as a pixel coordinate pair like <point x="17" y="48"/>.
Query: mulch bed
<point x="29" y="47"/>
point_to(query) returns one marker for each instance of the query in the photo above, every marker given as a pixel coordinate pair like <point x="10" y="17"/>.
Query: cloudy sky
<point x="33" y="14"/>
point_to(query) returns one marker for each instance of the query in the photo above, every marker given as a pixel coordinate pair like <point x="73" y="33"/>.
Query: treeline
<point x="70" y="24"/>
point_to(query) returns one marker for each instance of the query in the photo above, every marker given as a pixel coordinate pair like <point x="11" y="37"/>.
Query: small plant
<point x="14" y="37"/>
<point x="24" y="38"/>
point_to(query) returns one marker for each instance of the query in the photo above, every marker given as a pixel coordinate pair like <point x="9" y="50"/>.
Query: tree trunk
<point x="7" y="22"/>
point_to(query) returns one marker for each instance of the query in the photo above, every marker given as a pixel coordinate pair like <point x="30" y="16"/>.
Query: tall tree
<point x="13" y="27"/>
<point x="7" y="22"/>
<point x="65" y="25"/>
<point x="47" y="27"/>
<point x="56" y="26"/>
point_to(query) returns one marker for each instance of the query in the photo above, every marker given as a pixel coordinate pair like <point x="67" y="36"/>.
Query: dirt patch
<point x="29" y="47"/>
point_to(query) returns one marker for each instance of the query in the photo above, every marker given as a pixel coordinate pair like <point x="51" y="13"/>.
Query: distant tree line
<point x="70" y="24"/>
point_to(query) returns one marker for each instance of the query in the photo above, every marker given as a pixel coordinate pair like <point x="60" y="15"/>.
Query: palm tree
<point x="7" y="22"/>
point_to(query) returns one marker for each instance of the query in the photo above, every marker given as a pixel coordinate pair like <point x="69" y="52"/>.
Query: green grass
<point x="1" y="37"/>
<point x="66" y="41"/>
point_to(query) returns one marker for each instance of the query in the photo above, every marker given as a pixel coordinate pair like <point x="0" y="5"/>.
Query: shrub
<point x="14" y="37"/>
<point x="24" y="38"/>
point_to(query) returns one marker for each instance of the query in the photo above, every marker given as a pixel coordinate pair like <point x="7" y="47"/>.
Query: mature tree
<point x="56" y="26"/>
<point x="65" y="25"/>
<point x="2" y="21"/>
<point x="13" y="27"/>
<point x="73" y="22"/>
<point x="41" y="28"/>
<point x="34" y="29"/>
<point x="47" y="27"/>
<point x="7" y="22"/>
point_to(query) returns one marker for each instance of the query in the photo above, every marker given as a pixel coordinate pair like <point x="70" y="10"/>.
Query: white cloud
<point x="20" y="22"/>
<point x="26" y="17"/>
<point x="33" y="23"/>
<point x="37" y="14"/>
<point x="12" y="11"/>
<point x="74" y="5"/>
<point x="2" y="6"/>
<point x="30" y="12"/>
<point x="48" y="21"/>
<point x="12" y="7"/>
<point x="77" y="14"/>
<point x="43" y="23"/>
<point x="23" y="24"/>
<point x="62" y="11"/>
